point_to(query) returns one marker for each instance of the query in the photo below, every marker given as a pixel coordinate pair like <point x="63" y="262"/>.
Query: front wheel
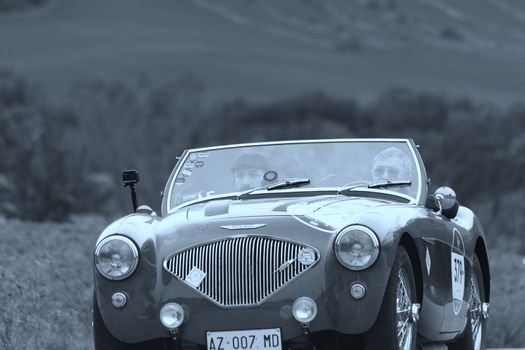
<point x="473" y="338"/>
<point x="396" y="327"/>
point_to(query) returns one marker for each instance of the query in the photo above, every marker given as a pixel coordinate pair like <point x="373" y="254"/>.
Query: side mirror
<point x="129" y="179"/>
<point x="444" y="201"/>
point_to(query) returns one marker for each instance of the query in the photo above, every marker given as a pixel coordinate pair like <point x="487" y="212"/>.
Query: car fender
<point x="140" y="285"/>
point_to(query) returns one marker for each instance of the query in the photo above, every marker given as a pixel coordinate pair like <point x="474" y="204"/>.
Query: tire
<point x="473" y="338"/>
<point x="393" y="329"/>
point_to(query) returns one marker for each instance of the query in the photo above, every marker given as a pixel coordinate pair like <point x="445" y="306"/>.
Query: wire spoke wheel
<point x="476" y="313"/>
<point x="405" y="326"/>
<point x="396" y="324"/>
<point x="473" y="337"/>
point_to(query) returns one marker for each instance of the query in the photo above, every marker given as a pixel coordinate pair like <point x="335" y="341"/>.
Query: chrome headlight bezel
<point x="134" y="251"/>
<point x="374" y="240"/>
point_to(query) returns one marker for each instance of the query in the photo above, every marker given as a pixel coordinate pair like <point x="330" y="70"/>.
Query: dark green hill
<point x="267" y="50"/>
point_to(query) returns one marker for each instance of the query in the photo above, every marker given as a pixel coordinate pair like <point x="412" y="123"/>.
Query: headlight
<point x="116" y="257"/>
<point x="357" y="247"/>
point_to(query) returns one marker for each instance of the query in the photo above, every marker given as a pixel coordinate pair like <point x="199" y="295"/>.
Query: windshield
<point x="208" y="172"/>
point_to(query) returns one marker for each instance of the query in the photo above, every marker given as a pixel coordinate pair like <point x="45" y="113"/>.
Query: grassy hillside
<point x="47" y="286"/>
<point x="266" y="50"/>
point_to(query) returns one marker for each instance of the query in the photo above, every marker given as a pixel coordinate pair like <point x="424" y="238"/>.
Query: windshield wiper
<point x="390" y="184"/>
<point x="288" y="184"/>
<point x="383" y="184"/>
<point x="275" y="186"/>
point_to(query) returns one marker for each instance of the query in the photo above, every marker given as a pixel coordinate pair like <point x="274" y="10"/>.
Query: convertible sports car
<point x="317" y="244"/>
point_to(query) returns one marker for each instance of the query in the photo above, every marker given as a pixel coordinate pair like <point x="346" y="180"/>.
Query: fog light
<point x="304" y="309"/>
<point x="358" y="291"/>
<point x="119" y="300"/>
<point x="172" y="315"/>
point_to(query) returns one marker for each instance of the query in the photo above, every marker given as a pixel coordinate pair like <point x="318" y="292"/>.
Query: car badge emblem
<point x="306" y="256"/>
<point x="195" y="277"/>
<point x="284" y="265"/>
<point x="242" y="227"/>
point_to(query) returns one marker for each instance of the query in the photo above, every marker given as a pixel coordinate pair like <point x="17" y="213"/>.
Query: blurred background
<point x="90" y="88"/>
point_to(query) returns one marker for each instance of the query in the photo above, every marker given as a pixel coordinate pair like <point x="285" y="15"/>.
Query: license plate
<point x="253" y="339"/>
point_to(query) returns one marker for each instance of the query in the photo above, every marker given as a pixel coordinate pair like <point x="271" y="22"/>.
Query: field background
<point x="89" y="88"/>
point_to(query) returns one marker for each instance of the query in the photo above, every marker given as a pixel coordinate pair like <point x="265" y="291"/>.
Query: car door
<point x="445" y="270"/>
<point x="434" y="252"/>
<point x="457" y="273"/>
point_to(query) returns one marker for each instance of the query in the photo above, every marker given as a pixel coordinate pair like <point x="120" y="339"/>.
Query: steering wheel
<point x="332" y="180"/>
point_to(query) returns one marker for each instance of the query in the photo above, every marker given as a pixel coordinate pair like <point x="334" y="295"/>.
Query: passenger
<point x="248" y="171"/>
<point x="391" y="164"/>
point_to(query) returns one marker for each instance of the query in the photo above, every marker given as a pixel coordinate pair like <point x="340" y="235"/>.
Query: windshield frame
<point x="420" y="168"/>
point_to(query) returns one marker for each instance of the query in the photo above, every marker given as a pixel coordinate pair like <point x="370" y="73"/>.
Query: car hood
<point x="313" y="221"/>
<point x="327" y="213"/>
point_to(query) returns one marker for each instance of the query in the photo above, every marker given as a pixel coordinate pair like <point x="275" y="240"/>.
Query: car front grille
<point x="241" y="271"/>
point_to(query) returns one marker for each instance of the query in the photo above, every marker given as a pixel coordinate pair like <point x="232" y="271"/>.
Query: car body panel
<point x="309" y="218"/>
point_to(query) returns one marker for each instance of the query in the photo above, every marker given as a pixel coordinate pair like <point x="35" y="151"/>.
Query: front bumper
<point x="327" y="283"/>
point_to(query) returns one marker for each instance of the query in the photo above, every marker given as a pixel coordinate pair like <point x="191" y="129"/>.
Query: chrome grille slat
<point x="213" y="277"/>
<point x="238" y="274"/>
<point x="226" y="272"/>
<point x="204" y="261"/>
<point x="240" y="271"/>
<point x="291" y="271"/>
<point x="265" y="272"/>
<point x="233" y="267"/>
<point x="253" y="263"/>
<point x="220" y="272"/>
<point x="258" y="275"/>
<point x="243" y="277"/>
<point x="277" y="275"/>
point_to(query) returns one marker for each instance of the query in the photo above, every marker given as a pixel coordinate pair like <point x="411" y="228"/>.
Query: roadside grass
<point x="506" y="325"/>
<point x="46" y="288"/>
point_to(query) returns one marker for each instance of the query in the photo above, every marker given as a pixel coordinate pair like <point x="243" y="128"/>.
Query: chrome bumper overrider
<point x="485" y="308"/>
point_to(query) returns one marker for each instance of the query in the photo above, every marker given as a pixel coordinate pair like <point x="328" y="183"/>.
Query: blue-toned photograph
<point x="262" y="175"/>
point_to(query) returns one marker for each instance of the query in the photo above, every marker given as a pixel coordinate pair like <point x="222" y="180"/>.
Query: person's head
<point x="248" y="171"/>
<point x="391" y="164"/>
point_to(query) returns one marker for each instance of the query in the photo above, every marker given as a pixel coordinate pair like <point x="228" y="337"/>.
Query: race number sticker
<point x="457" y="265"/>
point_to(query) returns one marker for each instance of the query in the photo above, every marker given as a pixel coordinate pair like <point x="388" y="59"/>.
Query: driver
<point x="391" y="164"/>
<point x="248" y="171"/>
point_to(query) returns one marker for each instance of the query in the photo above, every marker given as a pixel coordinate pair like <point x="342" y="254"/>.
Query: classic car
<point x="311" y="244"/>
